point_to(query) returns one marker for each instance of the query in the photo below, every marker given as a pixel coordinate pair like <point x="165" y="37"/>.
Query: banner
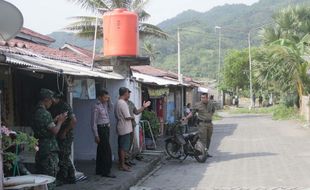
<point x="156" y="93"/>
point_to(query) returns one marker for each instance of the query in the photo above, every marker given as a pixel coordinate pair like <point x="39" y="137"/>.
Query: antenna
<point x="11" y="20"/>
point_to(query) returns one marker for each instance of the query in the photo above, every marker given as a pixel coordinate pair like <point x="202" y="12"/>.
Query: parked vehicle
<point x="180" y="146"/>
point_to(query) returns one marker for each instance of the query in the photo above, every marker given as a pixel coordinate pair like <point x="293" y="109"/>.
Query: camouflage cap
<point x="46" y="93"/>
<point x="58" y="95"/>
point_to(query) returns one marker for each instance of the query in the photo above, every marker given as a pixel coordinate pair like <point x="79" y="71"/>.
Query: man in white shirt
<point x="124" y="126"/>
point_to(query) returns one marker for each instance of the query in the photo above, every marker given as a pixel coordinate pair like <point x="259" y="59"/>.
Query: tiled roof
<point x="149" y="70"/>
<point x="84" y="51"/>
<point x="32" y="49"/>
<point x="35" y="34"/>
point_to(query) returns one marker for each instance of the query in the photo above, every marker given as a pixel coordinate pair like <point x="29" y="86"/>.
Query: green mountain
<point x="198" y="37"/>
<point x="65" y="37"/>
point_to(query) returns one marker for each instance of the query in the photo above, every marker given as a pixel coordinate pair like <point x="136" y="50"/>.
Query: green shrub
<point x="278" y="112"/>
<point x="285" y="112"/>
<point x="154" y="122"/>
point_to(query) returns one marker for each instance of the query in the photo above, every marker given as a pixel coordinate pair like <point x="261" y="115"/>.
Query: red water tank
<point x="120" y="33"/>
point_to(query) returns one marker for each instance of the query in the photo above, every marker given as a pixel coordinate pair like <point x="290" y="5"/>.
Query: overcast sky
<point x="46" y="16"/>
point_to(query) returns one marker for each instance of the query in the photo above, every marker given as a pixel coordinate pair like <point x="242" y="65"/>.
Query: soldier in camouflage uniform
<point x="66" y="172"/>
<point x="134" y="111"/>
<point x="205" y="110"/>
<point x="45" y="130"/>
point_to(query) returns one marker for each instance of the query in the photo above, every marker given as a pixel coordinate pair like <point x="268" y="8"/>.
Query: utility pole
<point x="250" y="68"/>
<point x="179" y="57"/>
<point x="179" y="72"/>
<point x="219" y="64"/>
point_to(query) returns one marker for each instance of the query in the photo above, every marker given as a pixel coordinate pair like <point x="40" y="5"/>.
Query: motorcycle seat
<point x="186" y="135"/>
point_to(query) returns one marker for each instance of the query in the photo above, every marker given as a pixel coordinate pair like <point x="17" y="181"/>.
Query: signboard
<point x="159" y="92"/>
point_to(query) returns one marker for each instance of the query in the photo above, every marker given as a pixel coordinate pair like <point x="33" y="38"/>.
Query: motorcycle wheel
<point x="200" y="152"/>
<point x="173" y="149"/>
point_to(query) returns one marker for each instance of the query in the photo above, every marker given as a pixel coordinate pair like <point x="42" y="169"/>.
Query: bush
<point x="278" y="112"/>
<point x="285" y="112"/>
<point x="154" y="122"/>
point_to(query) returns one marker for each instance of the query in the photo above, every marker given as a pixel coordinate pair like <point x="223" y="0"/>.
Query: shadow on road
<point x="221" y="131"/>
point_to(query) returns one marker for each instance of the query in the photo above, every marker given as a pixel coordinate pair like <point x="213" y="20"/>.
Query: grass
<point x="278" y="112"/>
<point x="216" y="117"/>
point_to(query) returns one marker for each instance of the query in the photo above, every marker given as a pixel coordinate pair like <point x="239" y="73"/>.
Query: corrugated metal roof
<point x="203" y="89"/>
<point x="153" y="80"/>
<point x="48" y="65"/>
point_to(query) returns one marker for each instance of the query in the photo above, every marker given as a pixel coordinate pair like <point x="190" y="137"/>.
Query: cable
<point x="63" y="83"/>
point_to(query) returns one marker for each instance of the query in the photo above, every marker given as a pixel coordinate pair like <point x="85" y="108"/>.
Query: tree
<point x="285" y="45"/>
<point x="236" y="71"/>
<point x="150" y="51"/>
<point x="291" y="23"/>
<point x="85" y="25"/>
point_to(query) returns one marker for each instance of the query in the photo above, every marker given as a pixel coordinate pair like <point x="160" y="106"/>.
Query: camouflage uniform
<point x="132" y="110"/>
<point x="47" y="156"/>
<point x="205" y="126"/>
<point x="66" y="172"/>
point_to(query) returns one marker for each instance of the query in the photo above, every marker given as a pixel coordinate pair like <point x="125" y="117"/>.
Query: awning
<point x="153" y="80"/>
<point x="56" y="66"/>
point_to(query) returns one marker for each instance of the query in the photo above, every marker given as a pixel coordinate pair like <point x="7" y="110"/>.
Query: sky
<point x="47" y="16"/>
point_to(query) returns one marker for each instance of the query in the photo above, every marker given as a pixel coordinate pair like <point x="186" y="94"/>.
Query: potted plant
<point x="12" y="144"/>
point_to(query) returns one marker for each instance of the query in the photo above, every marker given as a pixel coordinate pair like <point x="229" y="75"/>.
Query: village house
<point x="28" y="63"/>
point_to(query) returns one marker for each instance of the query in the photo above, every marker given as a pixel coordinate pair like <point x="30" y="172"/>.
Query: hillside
<point x="65" y="37"/>
<point x="199" y="45"/>
<point x="199" y="40"/>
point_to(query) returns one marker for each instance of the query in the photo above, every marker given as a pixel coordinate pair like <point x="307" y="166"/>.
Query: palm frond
<point x="92" y="5"/>
<point x="151" y="30"/>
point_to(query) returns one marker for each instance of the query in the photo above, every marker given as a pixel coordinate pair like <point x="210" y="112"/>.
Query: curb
<point x="133" y="179"/>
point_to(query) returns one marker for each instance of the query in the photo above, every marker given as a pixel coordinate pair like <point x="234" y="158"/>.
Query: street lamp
<point x="219" y="64"/>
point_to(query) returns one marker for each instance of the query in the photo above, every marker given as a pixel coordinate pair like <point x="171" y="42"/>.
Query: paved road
<point x="249" y="152"/>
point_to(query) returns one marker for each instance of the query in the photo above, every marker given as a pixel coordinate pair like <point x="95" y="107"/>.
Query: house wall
<point x="84" y="144"/>
<point x="170" y="107"/>
<point x="304" y="108"/>
<point x="189" y="96"/>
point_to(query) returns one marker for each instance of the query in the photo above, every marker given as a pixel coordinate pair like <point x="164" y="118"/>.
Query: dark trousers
<point x="104" y="154"/>
<point x="66" y="172"/>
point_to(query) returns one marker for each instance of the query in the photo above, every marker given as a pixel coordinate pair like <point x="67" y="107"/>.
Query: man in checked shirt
<point x="100" y="123"/>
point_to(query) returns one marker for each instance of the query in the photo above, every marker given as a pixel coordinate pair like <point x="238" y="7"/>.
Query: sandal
<point x="125" y="169"/>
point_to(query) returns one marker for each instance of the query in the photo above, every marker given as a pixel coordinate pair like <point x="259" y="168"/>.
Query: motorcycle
<point x="181" y="145"/>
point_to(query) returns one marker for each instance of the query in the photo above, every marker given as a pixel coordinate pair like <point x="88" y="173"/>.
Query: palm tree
<point x="281" y="63"/>
<point x="285" y="45"/>
<point x="150" y="51"/>
<point x="291" y="23"/>
<point x="85" y="25"/>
